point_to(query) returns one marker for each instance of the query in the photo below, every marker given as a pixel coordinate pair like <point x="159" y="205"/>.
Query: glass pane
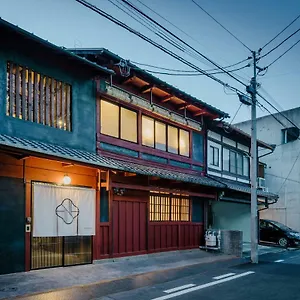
<point x="147" y="131"/>
<point x="172" y="139"/>
<point x="216" y="156"/>
<point x="239" y="163"/>
<point x="109" y="119"/>
<point x="160" y="136"/>
<point x="211" y="155"/>
<point x="232" y="162"/>
<point x="226" y="159"/>
<point x="246" y="166"/>
<point x="184" y="138"/>
<point x="128" y="125"/>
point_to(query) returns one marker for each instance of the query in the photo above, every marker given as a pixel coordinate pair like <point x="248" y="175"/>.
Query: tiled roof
<point x="101" y="161"/>
<point x="243" y="187"/>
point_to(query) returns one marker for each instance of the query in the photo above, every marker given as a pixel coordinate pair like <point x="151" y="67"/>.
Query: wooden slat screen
<point x="166" y="207"/>
<point x="34" y="97"/>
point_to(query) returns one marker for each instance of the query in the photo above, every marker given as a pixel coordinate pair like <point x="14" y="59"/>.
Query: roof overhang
<point x="147" y="83"/>
<point x="12" y="32"/>
<point x="45" y="150"/>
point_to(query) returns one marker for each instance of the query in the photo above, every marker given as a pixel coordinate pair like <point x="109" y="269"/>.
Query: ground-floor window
<point x="169" y="207"/>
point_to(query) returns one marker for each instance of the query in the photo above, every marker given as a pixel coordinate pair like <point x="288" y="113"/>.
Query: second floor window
<point x="235" y="162"/>
<point x="34" y="97"/>
<point x="164" y="137"/>
<point x="214" y="156"/>
<point x="118" y="121"/>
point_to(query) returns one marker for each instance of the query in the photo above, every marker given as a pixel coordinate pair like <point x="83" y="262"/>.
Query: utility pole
<point x="254" y="163"/>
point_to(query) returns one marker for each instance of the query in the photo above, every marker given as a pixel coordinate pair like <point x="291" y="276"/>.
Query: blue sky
<point x="69" y="24"/>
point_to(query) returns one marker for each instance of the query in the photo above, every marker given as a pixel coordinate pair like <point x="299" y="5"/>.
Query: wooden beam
<point x="183" y="106"/>
<point x="128" y="79"/>
<point x="200" y="113"/>
<point x="166" y="98"/>
<point x="146" y="88"/>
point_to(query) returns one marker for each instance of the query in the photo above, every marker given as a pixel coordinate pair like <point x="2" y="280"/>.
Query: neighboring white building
<point x="282" y="172"/>
<point x="228" y="161"/>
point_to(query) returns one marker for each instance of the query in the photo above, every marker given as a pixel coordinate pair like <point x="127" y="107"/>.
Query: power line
<point x="191" y="74"/>
<point x="155" y="44"/>
<point x="282" y="54"/>
<point x="182" y="41"/>
<point x="186" y="71"/>
<point x="191" y="37"/>
<point x="236" y="113"/>
<point x="221" y="25"/>
<point x="280" y="43"/>
<point x="292" y="168"/>
<point x="284" y="116"/>
<point x="281" y="32"/>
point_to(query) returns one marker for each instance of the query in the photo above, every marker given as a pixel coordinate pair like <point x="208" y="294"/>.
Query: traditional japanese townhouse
<point x="160" y="132"/>
<point x="47" y="140"/>
<point x="228" y="161"/>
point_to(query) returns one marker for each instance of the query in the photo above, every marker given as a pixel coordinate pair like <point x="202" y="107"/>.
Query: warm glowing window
<point x="109" y="119"/>
<point x="166" y="207"/>
<point x="147" y="131"/>
<point x="34" y="97"/>
<point x="172" y="139"/>
<point x="160" y="136"/>
<point x="184" y="138"/>
<point x="128" y="125"/>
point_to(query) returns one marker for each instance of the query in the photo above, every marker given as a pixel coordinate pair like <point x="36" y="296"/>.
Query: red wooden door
<point x="129" y="227"/>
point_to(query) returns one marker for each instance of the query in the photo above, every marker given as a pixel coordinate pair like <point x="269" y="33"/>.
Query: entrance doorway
<point x="47" y="252"/>
<point x="63" y="225"/>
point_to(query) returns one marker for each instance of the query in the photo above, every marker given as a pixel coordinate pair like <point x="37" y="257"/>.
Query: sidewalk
<point x="39" y="281"/>
<point x="109" y="270"/>
<point x="263" y="249"/>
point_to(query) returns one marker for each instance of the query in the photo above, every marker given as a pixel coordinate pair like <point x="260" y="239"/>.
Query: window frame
<point x="175" y="213"/>
<point x="167" y="125"/>
<point x="119" y="121"/>
<point x="212" y="155"/>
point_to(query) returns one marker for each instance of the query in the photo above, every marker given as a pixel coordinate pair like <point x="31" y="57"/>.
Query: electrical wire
<point x="236" y="113"/>
<point x="190" y="74"/>
<point x="154" y="29"/>
<point x="191" y="37"/>
<point x="182" y="41"/>
<point x="274" y="61"/>
<point x="270" y="51"/>
<point x="280" y="32"/>
<point x="284" y="116"/>
<point x="221" y="25"/>
<point x="186" y="71"/>
<point x="287" y="177"/>
<point x="155" y="44"/>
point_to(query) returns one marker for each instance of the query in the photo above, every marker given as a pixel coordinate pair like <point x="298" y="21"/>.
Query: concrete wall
<point x="283" y="163"/>
<point x="232" y="216"/>
<point x="83" y="99"/>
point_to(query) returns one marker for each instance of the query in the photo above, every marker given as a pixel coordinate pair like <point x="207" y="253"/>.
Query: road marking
<point x="203" y="286"/>
<point x="279" y="260"/>
<point x="223" y="276"/>
<point x="179" y="288"/>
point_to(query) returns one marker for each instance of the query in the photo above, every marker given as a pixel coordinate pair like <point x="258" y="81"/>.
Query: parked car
<point x="274" y="232"/>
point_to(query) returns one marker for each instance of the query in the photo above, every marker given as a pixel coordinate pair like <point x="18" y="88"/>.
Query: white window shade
<point x="63" y="211"/>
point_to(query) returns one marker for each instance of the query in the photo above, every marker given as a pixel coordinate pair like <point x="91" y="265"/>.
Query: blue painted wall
<point x="83" y="99"/>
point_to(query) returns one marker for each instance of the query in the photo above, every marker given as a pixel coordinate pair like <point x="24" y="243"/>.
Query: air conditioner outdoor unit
<point x="261" y="183"/>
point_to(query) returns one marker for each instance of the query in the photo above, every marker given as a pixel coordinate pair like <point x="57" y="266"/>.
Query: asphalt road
<point x="276" y="277"/>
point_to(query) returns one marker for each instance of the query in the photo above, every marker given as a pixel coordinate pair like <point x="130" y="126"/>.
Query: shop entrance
<point x="63" y="225"/>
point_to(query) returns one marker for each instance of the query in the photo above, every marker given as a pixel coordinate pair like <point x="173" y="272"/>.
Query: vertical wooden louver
<point x="34" y="97"/>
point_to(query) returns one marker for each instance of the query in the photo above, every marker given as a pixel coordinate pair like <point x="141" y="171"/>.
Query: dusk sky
<point x="69" y="24"/>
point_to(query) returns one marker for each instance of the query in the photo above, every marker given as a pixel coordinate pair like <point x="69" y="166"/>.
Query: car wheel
<point x="283" y="242"/>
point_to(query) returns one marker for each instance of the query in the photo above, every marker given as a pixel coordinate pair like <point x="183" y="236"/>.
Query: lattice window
<point x="34" y="97"/>
<point x="165" y="207"/>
